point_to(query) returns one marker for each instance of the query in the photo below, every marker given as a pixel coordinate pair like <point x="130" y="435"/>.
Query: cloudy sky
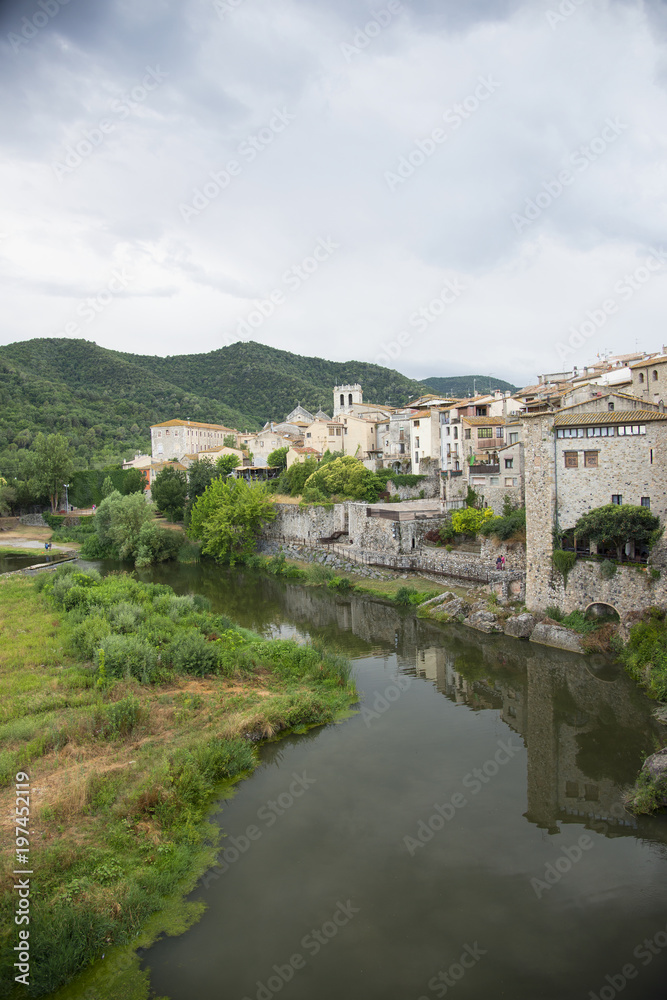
<point x="439" y="186"/>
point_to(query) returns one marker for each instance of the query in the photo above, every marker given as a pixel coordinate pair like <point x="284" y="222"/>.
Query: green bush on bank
<point x="645" y="654"/>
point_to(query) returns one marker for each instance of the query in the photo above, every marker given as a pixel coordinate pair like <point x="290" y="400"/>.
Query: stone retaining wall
<point x="630" y="589"/>
<point x="33" y="521"/>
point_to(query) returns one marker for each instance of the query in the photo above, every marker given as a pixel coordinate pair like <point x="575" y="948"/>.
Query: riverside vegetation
<point x="129" y="706"/>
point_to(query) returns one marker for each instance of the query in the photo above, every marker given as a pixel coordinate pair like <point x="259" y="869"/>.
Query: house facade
<point x="177" y="438"/>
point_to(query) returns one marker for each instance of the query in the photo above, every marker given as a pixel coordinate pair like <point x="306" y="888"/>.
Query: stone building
<point x="576" y="461"/>
<point x="177" y="438"/>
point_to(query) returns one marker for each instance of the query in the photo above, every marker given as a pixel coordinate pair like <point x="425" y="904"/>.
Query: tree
<point x="119" y="521"/>
<point x="134" y="481"/>
<point x="616" y="524"/>
<point x="226" y="463"/>
<point x="169" y="490"/>
<point x="277" y="459"/>
<point x="107" y="487"/>
<point x="293" y="480"/>
<point x="201" y="474"/>
<point x="53" y="465"/>
<point x="229" y="441"/>
<point x="345" y="479"/>
<point x="228" y="517"/>
<point x="7" y="497"/>
<point x="469" y="520"/>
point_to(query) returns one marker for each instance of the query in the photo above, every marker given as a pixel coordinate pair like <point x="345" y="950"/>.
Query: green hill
<point x="105" y="401"/>
<point x="464" y="385"/>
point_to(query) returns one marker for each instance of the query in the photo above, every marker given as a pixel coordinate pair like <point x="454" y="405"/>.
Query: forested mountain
<point x="105" y="401"/>
<point x="463" y="385"/>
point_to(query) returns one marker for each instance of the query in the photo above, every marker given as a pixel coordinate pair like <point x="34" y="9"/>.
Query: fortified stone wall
<point x="294" y="522"/>
<point x="630" y="589"/>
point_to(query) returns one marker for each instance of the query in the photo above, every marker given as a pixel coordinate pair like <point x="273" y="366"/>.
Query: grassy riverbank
<point x="128" y="707"/>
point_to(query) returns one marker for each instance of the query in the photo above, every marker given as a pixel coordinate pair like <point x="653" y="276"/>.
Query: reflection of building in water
<point x="586" y="737"/>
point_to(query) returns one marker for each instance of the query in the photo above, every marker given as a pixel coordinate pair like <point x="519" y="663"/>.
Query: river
<point x="461" y="835"/>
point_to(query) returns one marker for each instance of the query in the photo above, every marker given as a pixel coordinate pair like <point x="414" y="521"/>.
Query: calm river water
<point x="461" y="836"/>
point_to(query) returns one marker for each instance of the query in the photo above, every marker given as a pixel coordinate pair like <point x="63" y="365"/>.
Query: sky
<point x="436" y="186"/>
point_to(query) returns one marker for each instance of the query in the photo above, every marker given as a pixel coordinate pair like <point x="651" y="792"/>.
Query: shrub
<point x="404" y="594"/>
<point x="607" y="569"/>
<point x="469" y="521"/>
<point x="191" y="653"/>
<point x="554" y="612"/>
<point x="341" y="583"/>
<point x="86" y="637"/>
<point x="120" y="719"/>
<point x="446" y="532"/>
<point x="320" y="574"/>
<point x="504" y="527"/>
<point x="129" y="656"/>
<point x="563" y="561"/>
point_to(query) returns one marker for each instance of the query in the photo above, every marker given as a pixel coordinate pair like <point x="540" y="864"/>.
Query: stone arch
<point x="601" y="608"/>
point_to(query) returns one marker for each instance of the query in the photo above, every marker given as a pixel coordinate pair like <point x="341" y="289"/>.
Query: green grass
<point x="127" y="763"/>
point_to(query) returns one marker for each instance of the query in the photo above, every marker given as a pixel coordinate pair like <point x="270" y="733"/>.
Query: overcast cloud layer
<point x="437" y="186"/>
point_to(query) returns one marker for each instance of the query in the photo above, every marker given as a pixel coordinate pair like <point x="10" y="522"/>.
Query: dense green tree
<point x="53" y="465"/>
<point x="277" y="459"/>
<point x="616" y="524"/>
<point x="7" y="497"/>
<point x="134" y="481"/>
<point x="119" y="520"/>
<point x="293" y="480"/>
<point x="169" y="490"/>
<point x="228" y="517"/>
<point x="226" y="463"/>
<point x="201" y="474"/>
<point x="229" y="441"/>
<point x="107" y="487"/>
<point x="343" y="479"/>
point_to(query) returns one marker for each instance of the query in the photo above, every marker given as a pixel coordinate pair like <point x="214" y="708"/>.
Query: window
<point x="610" y="406"/>
<point x="467" y="433"/>
<point x="308" y="434"/>
<point x="416" y="442"/>
<point x="633" y="429"/>
<point x="401" y="449"/>
<point x="590" y="459"/>
<point x="509" y="463"/>
<point x="416" y="423"/>
<point x="456" y="434"/>
<point x="651" y="456"/>
<point x="596" y="432"/>
<point x="499" y="432"/>
<point x="342" y="399"/>
<point x="510" y="482"/>
<point x="654" y="375"/>
<point x="570" y="432"/>
<point x="641" y="378"/>
<point x="349" y="399"/>
<point x="646" y="502"/>
<point x="571" y="459"/>
<point x="617" y="498"/>
<point x="416" y="458"/>
<point x="494" y="480"/>
<point x="514" y="437"/>
<point x="485" y="432"/>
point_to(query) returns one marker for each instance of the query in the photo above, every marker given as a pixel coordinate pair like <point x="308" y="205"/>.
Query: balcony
<point x="490" y="444"/>
<point x="484" y="470"/>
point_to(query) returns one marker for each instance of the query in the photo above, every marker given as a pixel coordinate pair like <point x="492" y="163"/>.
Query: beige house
<point x="296" y="455"/>
<point x="176" y="438"/>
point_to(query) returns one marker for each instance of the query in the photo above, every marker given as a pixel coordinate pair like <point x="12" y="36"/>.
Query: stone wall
<point x="303" y="524"/>
<point x="630" y="589"/>
<point x="514" y="552"/>
<point x="33" y="521"/>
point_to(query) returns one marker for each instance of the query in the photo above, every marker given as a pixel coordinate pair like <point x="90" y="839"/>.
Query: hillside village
<point x="573" y="441"/>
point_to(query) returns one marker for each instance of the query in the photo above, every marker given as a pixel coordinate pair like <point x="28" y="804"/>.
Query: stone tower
<point x="345" y="397"/>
